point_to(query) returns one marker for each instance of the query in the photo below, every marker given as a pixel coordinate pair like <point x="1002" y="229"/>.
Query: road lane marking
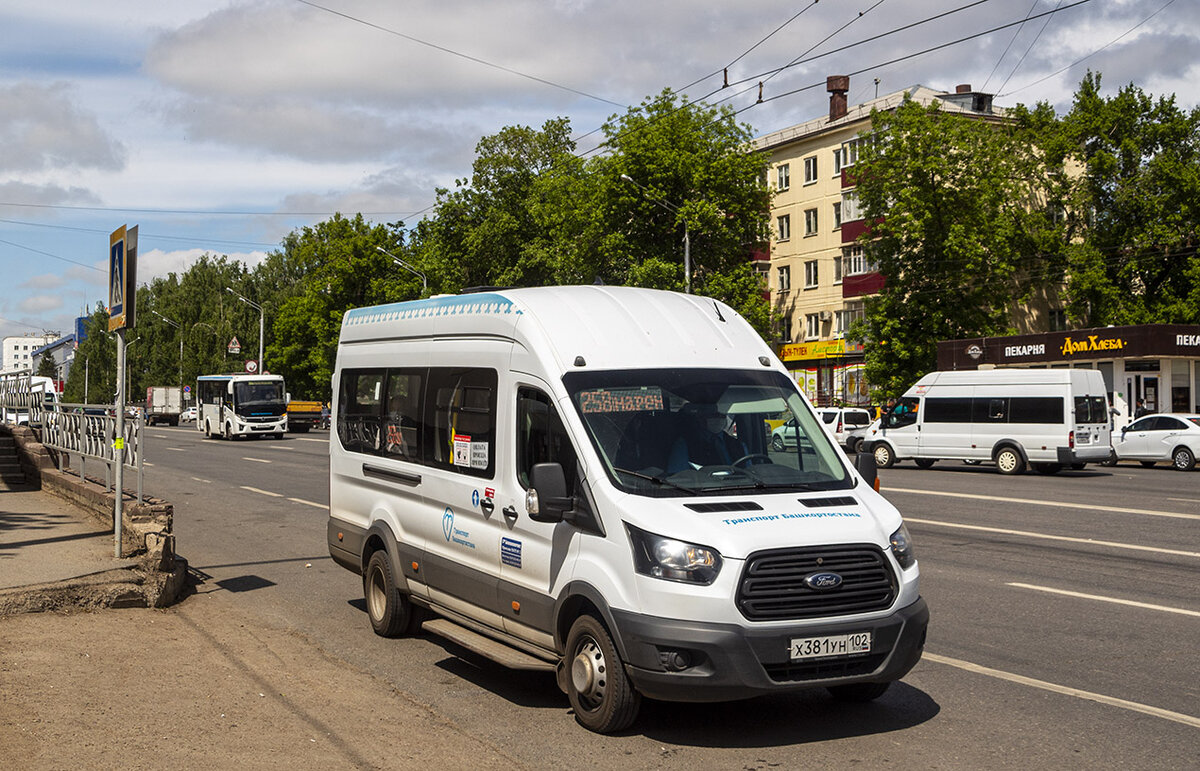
<point x="309" y="503"/>
<point x="205" y="481"/>
<point x="147" y="465"/>
<point x="264" y="492"/>
<point x="301" y="439"/>
<point x="258" y="460"/>
<point x="1061" y="504"/>
<point x="160" y="436"/>
<point x="280" y="447"/>
<point x="1101" y="598"/>
<point x="1111" y="701"/>
<point x="1185" y="500"/>
<point x="177" y="449"/>
<point x="1048" y="537"/>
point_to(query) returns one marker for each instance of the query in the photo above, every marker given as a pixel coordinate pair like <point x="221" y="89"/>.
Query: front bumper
<point x="730" y="661"/>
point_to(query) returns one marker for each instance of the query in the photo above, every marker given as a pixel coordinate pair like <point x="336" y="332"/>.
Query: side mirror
<point x="229" y="387"/>
<point x="864" y="464"/>
<point x="547" y="500"/>
<point x="287" y="397"/>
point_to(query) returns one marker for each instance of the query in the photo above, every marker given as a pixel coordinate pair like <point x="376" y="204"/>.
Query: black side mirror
<point x="547" y="499"/>
<point x="864" y="464"/>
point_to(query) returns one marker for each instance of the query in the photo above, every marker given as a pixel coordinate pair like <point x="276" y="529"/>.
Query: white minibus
<point x="241" y="405"/>
<point x="582" y="480"/>
<point x="1047" y="419"/>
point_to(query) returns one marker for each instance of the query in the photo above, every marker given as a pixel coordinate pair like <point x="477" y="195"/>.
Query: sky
<point x="220" y="127"/>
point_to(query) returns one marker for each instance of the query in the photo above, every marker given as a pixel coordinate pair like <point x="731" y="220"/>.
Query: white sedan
<point x="1173" y="437"/>
<point x="187" y="415"/>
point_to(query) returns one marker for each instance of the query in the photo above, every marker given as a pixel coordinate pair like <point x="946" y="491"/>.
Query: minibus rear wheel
<point x="599" y="690"/>
<point x="390" y="611"/>
<point x="1009" y="461"/>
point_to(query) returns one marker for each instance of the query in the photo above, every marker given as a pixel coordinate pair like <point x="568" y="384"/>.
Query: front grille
<point x="773" y="589"/>
<point x="820" y="670"/>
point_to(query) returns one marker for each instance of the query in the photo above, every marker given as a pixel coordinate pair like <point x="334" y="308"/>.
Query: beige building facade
<point x="819" y="275"/>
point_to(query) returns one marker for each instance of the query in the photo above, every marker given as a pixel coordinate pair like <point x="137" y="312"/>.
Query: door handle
<point x="510" y="512"/>
<point x="488" y="505"/>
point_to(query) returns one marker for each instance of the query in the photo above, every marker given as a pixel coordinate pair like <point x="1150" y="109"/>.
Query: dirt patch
<point x="201" y="685"/>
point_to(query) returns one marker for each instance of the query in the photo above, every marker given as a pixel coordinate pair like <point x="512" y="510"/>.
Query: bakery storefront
<point x="1157" y="363"/>
<point x="830" y="372"/>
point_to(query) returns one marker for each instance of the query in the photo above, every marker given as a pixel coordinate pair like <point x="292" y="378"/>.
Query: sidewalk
<point x="199" y="684"/>
<point x="53" y="555"/>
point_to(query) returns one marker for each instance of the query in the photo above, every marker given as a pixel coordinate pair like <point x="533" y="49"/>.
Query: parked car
<point x="1173" y="437"/>
<point x="187" y="415"/>
<point x="847" y="425"/>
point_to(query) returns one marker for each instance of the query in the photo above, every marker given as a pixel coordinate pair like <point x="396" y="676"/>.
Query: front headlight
<point x="671" y="559"/>
<point x="902" y="547"/>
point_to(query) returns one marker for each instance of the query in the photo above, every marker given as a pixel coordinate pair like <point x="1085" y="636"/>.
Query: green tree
<point x="338" y="267"/>
<point x="95" y="360"/>
<point x="1137" y="206"/>
<point x="961" y="227"/>
<point x="47" y="367"/>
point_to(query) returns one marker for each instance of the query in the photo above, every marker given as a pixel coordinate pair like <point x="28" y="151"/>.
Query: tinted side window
<point x="988" y="410"/>
<point x="541" y="437"/>
<point x="828" y="417"/>
<point x="948" y="410"/>
<point x="1169" y="424"/>
<point x="854" y="418"/>
<point x="459" y="422"/>
<point x="360" y="395"/>
<point x="402" y="415"/>
<point x="1035" y="409"/>
<point x="1141" y="425"/>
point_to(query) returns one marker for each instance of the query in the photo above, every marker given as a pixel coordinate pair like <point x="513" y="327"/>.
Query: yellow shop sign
<point x="822" y="349"/>
<point x="1091" y="343"/>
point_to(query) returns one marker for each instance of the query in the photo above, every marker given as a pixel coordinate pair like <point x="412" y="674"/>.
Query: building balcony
<point x="862" y="284"/>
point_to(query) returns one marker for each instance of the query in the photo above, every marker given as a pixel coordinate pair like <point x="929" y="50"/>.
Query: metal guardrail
<point x="86" y="430"/>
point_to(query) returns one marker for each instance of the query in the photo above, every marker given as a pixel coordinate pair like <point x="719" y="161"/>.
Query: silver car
<point x="1173" y="437"/>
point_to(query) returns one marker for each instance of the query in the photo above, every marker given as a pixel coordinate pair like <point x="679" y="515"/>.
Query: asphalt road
<point x="1063" y="632"/>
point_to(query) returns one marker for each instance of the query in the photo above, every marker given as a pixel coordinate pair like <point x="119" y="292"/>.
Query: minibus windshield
<point x="259" y="396"/>
<point x="680" y="432"/>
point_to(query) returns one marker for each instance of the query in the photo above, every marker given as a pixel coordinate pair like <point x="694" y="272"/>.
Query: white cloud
<point x="44" y="281"/>
<point x="41" y="127"/>
<point x="40" y="303"/>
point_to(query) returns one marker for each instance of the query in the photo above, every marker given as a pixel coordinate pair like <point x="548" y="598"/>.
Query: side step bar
<point x="485" y="646"/>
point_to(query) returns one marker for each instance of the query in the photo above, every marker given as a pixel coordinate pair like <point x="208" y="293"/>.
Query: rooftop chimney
<point x="837" y="86"/>
<point x="962" y="88"/>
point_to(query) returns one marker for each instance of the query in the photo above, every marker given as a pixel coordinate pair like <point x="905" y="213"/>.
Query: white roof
<point x="610" y="327"/>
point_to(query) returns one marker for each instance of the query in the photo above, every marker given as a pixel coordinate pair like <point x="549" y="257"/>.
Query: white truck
<point x="163" y="405"/>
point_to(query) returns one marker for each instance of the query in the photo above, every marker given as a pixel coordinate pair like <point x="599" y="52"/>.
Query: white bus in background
<point x="241" y="405"/>
<point x="1046" y="419"/>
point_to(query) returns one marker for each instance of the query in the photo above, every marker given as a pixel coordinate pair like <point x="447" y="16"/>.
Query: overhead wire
<point x="1032" y="43"/>
<point x="1004" y="53"/>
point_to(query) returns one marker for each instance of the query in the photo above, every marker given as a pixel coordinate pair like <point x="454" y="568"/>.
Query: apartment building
<point x="18" y="350"/>
<point x="818" y="273"/>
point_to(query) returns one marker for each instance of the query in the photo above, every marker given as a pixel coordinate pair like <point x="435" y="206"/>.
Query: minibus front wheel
<point x="884" y="457"/>
<point x="599" y="690"/>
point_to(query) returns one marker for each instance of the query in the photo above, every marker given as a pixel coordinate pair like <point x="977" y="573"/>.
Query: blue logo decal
<point x="448" y="523"/>
<point x="475" y="498"/>
<point x="510" y="552"/>
<point x="823" y="581"/>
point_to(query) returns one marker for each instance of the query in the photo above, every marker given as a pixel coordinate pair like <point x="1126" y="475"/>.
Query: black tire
<point x="858" y="692"/>
<point x="1147" y="463"/>
<point x="1009" y="461"/>
<point x="1047" y="468"/>
<point x="1078" y="466"/>
<point x="884" y="457"/>
<point x="925" y="462"/>
<point x="777" y="443"/>
<point x="1183" y="459"/>
<point x="599" y="690"/>
<point x="227" y="432"/>
<point x="390" y="612"/>
<point x="972" y="462"/>
<point x="301" y="429"/>
<point x="855" y="446"/>
<point x="1111" y="460"/>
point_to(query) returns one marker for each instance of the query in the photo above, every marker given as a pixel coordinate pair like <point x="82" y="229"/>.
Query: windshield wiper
<point x="656" y="480"/>
<point x="763" y="486"/>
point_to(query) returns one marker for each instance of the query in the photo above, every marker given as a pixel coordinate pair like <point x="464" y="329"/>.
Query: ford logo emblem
<point x="823" y="581"/>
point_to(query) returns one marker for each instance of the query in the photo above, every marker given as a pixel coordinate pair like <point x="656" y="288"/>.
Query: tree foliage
<point x="959" y="228"/>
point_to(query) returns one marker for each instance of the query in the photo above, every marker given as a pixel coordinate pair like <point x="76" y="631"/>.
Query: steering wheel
<point x="753" y="459"/>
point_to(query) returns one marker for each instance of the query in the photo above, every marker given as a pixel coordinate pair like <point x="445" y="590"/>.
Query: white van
<point x="1044" y="418"/>
<point x="581" y="479"/>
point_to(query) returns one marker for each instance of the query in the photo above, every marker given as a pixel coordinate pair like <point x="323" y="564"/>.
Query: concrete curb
<point x="156" y="581"/>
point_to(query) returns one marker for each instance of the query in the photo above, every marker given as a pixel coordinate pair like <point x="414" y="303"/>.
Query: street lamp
<point x="178" y="326"/>
<point x="409" y="268"/>
<point x="258" y="307"/>
<point x="687" y="241"/>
